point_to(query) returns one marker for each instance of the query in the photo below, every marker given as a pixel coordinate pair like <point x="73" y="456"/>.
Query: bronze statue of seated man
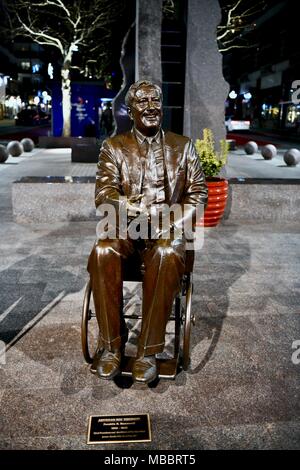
<point x="143" y="169"/>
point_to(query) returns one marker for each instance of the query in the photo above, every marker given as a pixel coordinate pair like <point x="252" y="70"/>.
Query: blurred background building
<point x="263" y="76"/>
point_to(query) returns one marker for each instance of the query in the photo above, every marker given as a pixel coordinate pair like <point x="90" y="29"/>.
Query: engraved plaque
<point x="119" y="428"/>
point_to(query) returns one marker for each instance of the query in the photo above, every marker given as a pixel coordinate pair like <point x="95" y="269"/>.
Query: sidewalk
<point x="57" y="162"/>
<point x="239" y="164"/>
<point x="242" y="390"/>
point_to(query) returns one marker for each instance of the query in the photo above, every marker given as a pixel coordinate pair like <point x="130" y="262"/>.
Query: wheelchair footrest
<point x="167" y="368"/>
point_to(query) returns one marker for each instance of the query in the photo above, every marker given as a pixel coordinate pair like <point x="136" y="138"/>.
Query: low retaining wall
<point x="263" y="200"/>
<point x="55" y="199"/>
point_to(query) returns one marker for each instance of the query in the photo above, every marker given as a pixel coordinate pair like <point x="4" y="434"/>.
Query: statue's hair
<point x="134" y="88"/>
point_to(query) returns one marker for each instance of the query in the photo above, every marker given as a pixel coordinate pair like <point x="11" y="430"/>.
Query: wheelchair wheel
<point x="187" y="324"/>
<point x="87" y="314"/>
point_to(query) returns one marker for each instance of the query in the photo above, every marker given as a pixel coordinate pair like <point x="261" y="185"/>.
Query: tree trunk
<point x="205" y="87"/>
<point x="66" y="98"/>
<point x="148" y="42"/>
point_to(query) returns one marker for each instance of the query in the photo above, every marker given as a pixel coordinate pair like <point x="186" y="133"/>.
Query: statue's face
<point x="146" y="110"/>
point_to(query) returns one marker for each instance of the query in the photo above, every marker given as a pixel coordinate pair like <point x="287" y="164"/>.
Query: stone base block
<point x="50" y="142"/>
<point x="85" y="153"/>
<point x="42" y="200"/>
<point x="263" y="200"/>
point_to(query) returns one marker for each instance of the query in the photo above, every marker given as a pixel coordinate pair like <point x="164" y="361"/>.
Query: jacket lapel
<point x="173" y="161"/>
<point x="132" y="162"/>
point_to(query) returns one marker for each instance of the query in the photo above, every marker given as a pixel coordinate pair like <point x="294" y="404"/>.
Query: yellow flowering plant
<point x="211" y="161"/>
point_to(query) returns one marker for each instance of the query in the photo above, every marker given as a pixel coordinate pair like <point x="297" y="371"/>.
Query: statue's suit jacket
<point x="119" y="174"/>
<point x="119" y="170"/>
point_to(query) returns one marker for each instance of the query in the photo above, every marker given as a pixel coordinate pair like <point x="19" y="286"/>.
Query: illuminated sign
<point x="50" y="70"/>
<point x="36" y="68"/>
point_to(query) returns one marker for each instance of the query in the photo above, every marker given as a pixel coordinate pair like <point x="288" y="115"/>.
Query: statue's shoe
<point x="144" y="369"/>
<point x="108" y="364"/>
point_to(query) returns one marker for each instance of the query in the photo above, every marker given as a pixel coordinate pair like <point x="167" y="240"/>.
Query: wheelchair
<point x="181" y="317"/>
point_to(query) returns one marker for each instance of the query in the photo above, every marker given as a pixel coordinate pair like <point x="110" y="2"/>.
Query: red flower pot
<point x="217" y="198"/>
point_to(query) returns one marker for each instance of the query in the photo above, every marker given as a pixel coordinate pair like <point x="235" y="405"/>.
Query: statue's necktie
<point x="147" y="161"/>
<point x="152" y="170"/>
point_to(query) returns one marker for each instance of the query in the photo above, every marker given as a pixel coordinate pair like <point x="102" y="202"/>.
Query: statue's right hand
<point x="132" y="210"/>
<point x="136" y="198"/>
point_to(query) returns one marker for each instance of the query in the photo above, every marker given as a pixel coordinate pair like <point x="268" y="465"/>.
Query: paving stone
<point x="242" y="389"/>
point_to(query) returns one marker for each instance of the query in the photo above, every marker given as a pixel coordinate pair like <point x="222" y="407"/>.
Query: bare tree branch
<point x="237" y="21"/>
<point x="69" y="24"/>
<point x="40" y="37"/>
